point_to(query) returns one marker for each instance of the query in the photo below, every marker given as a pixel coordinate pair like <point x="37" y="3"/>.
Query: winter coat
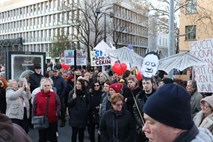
<point x="78" y="109"/>
<point x="60" y="85"/>
<point x="204" y="135"/>
<point x="40" y="103"/>
<point x="103" y="106"/>
<point x="195" y="102"/>
<point x="141" y="99"/>
<point x="10" y="132"/>
<point x="94" y="103"/>
<point x="195" y="135"/>
<point x="16" y="101"/>
<point x="117" y="126"/>
<point x="34" y="80"/>
<point x="207" y="122"/>
<point x="128" y="94"/>
<point x="3" y="103"/>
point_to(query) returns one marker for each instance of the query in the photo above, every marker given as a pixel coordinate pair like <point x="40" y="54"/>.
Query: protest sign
<point x="98" y="58"/>
<point x="203" y="73"/>
<point x="69" y="57"/>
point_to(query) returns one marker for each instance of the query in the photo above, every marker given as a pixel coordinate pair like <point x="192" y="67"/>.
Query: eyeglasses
<point x="96" y="85"/>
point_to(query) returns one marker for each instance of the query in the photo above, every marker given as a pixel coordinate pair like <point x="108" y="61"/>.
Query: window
<point x="191" y="6"/>
<point x="190" y="32"/>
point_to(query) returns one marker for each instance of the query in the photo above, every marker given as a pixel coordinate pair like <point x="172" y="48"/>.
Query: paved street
<point x="64" y="134"/>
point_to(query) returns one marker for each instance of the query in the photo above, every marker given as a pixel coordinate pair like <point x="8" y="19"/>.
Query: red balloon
<point x="119" y="68"/>
<point x="139" y="76"/>
<point x="66" y="67"/>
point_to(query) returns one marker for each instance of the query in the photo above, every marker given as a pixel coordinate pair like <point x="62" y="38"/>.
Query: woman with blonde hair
<point x="46" y="102"/>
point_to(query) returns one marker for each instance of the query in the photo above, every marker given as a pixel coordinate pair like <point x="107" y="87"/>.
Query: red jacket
<point x="39" y="105"/>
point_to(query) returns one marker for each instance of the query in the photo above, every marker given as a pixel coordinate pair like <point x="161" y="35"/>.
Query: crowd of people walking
<point x="116" y="108"/>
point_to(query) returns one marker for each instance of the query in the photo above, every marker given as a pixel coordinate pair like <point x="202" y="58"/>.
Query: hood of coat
<point x="6" y="129"/>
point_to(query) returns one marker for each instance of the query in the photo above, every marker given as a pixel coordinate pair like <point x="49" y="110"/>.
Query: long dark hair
<point x="82" y="84"/>
<point x="93" y="86"/>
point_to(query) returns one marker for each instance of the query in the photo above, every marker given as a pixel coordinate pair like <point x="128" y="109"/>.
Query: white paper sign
<point x="204" y="73"/>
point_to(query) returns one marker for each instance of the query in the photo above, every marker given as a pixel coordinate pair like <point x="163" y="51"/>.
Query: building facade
<point x="38" y="22"/>
<point x="195" y="22"/>
<point x="130" y="22"/>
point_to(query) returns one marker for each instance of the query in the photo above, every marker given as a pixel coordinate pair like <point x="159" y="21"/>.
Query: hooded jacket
<point x="10" y="132"/>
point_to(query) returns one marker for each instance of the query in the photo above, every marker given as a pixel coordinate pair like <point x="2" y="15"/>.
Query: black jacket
<point x="3" y="103"/>
<point x="78" y="109"/>
<point x="141" y="99"/>
<point x="34" y="80"/>
<point x="128" y="93"/>
<point x="117" y="126"/>
<point x="94" y="102"/>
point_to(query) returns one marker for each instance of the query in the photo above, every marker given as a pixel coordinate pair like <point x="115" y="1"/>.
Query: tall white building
<point x="31" y="25"/>
<point x="35" y="23"/>
<point x="132" y="26"/>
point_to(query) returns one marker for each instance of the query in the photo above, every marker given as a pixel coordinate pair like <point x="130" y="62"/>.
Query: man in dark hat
<point x="35" y="78"/>
<point x="168" y="117"/>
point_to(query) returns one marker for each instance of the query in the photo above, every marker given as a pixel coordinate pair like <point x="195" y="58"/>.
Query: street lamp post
<point x="98" y="11"/>
<point x="104" y="27"/>
<point x="171" y="33"/>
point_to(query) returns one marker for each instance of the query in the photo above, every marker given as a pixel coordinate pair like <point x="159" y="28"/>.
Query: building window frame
<point x="191" y="6"/>
<point x="190" y="31"/>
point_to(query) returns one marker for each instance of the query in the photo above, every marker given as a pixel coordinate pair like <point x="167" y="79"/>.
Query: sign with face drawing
<point x="150" y="64"/>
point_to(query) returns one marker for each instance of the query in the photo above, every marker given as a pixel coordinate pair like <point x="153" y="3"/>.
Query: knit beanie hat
<point x="170" y="105"/>
<point x="208" y="99"/>
<point x="117" y="87"/>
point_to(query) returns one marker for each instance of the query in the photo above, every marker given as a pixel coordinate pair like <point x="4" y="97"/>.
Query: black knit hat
<point x="170" y="105"/>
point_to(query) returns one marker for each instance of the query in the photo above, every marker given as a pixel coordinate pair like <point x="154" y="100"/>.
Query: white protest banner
<point x="98" y="58"/>
<point x="69" y="57"/>
<point x="81" y="58"/>
<point x="204" y="73"/>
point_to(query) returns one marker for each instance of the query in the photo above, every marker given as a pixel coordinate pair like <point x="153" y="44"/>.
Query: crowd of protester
<point x="100" y="102"/>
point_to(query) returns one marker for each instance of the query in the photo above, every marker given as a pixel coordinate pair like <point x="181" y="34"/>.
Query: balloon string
<point x="120" y="64"/>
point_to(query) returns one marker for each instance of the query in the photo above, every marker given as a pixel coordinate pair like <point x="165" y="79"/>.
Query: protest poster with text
<point x="203" y="73"/>
<point x="80" y="57"/>
<point x="98" y="58"/>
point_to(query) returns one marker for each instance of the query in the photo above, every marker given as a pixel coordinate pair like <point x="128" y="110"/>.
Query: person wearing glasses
<point x="40" y="107"/>
<point x="204" y="118"/>
<point x="117" y="124"/>
<point x="95" y="97"/>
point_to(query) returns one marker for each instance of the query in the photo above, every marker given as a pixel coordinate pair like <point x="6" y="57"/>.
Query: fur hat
<point x="170" y="105"/>
<point x="117" y="87"/>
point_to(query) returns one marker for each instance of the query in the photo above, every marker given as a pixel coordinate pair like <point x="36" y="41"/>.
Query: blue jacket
<point x="60" y="85"/>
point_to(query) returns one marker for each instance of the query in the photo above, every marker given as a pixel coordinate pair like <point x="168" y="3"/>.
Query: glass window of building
<point x="190" y="32"/>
